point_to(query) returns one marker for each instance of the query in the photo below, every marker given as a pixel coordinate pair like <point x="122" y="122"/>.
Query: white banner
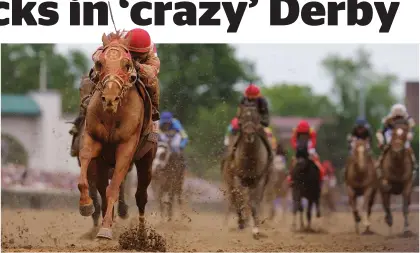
<point x="237" y="21"/>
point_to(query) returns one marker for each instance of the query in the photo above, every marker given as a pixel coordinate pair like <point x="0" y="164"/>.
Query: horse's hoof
<point x="255" y="233"/>
<point x="87" y="210"/>
<point x="367" y="232"/>
<point x="105" y="233"/>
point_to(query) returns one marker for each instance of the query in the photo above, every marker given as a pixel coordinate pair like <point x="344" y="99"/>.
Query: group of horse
<point x="250" y="177"/>
<point x="391" y="175"/>
<point x="254" y="180"/>
<point x="116" y="133"/>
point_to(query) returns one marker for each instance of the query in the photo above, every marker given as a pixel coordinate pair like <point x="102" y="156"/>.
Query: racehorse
<point x="361" y="180"/>
<point x="277" y="187"/>
<point x="86" y="85"/>
<point x="118" y="129"/>
<point x="168" y="175"/>
<point x="250" y="167"/>
<point x="306" y="183"/>
<point x="397" y="171"/>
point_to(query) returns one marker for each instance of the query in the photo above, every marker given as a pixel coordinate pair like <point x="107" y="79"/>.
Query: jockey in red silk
<point x="253" y="97"/>
<point x="147" y="64"/>
<point x="303" y="128"/>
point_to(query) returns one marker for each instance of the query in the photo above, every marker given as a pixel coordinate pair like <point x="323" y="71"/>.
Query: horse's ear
<point x="105" y="39"/>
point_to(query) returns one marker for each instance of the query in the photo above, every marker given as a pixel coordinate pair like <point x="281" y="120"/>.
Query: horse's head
<point x="115" y="69"/>
<point x="163" y="154"/>
<point x="249" y="121"/>
<point x="359" y="152"/>
<point x="399" y="135"/>
<point x="302" y="147"/>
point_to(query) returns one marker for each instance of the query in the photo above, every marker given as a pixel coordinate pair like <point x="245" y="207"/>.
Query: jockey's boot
<point x="154" y="92"/>
<point x="267" y="144"/>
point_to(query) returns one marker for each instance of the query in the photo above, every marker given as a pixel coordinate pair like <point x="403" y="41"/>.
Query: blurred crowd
<point x="13" y="175"/>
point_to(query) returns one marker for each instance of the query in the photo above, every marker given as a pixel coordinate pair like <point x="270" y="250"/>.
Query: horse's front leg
<point x="353" y="204"/>
<point x="90" y="149"/>
<point x="256" y="196"/>
<point x="144" y="177"/>
<point x="367" y="205"/>
<point x="122" y="206"/>
<point x="406" y="203"/>
<point x="124" y="155"/>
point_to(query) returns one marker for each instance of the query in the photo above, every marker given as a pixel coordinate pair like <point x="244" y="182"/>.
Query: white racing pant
<point x="174" y="142"/>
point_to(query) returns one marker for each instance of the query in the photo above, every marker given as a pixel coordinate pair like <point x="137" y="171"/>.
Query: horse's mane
<point x="117" y="36"/>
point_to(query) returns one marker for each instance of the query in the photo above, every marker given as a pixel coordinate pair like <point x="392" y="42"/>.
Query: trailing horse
<point x="396" y="171"/>
<point x="250" y="168"/>
<point x="168" y="176"/>
<point x="86" y="85"/>
<point x="117" y="129"/>
<point x="361" y="180"/>
<point x="306" y="184"/>
<point x="277" y="187"/>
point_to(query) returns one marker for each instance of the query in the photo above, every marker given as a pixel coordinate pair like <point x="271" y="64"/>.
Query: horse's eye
<point x="127" y="67"/>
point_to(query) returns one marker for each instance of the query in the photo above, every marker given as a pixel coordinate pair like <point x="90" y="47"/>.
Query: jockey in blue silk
<point x="170" y="125"/>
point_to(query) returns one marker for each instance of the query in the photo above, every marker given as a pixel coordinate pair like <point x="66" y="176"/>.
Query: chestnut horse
<point x="117" y="128"/>
<point x="86" y="86"/>
<point x="397" y="170"/>
<point x="361" y="180"/>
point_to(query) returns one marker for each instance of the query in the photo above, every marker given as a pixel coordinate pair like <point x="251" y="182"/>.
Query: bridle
<point x="124" y="80"/>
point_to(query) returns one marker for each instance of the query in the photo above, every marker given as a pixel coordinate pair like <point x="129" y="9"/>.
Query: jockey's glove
<point x="410" y="136"/>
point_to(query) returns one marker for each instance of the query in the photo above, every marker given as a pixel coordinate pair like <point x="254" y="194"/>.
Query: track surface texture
<point x="30" y="230"/>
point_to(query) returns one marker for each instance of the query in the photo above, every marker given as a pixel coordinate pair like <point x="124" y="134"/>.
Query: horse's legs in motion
<point x="144" y="176"/>
<point x="297" y="206"/>
<point x="309" y="213"/>
<point x="170" y="203"/>
<point x="90" y="149"/>
<point x="103" y="184"/>
<point x="406" y="202"/>
<point x="123" y="155"/>
<point x="368" y="199"/>
<point x="93" y="192"/>
<point x="122" y="206"/>
<point x="238" y="201"/>
<point x="386" y="199"/>
<point x="255" y="197"/>
<point x="353" y="204"/>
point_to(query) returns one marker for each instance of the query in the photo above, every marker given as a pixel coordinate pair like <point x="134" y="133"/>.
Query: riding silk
<point x="180" y="137"/>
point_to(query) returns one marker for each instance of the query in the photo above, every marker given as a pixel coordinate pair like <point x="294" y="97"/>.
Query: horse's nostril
<point x="117" y="98"/>
<point x="103" y="99"/>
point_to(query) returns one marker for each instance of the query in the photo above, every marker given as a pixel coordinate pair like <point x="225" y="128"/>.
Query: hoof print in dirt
<point x="142" y="240"/>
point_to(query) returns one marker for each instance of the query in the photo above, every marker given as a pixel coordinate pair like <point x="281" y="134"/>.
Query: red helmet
<point x="235" y="123"/>
<point x="140" y="41"/>
<point x="252" y="91"/>
<point x="303" y="127"/>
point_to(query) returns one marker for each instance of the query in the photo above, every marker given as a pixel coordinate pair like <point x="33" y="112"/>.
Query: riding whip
<point x="112" y="16"/>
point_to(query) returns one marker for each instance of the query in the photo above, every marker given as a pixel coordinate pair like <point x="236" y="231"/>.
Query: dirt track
<point x="28" y="230"/>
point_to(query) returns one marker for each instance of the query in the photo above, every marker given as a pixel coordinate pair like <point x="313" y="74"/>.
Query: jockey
<point x="147" y="64"/>
<point x="303" y="128"/>
<point x="398" y="111"/>
<point x="253" y="96"/>
<point x="167" y="124"/>
<point x="361" y="130"/>
<point x="232" y="129"/>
